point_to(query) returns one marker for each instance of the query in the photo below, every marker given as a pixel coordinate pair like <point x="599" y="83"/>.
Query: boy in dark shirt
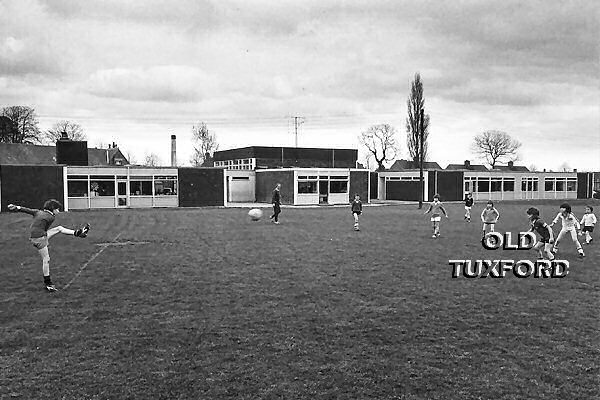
<point x="276" y="201"/>
<point x="356" y="210"/>
<point x="468" y="205"/>
<point x="41" y="232"/>
<point x="544" y="246"/>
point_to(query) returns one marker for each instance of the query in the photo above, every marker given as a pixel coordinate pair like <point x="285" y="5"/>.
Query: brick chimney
<point x="467" y="164"/>
<point x="511" y="164"/>
<point x="173" y="151"/>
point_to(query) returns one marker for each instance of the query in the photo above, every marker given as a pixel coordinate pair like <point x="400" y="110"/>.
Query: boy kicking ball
<point x="41" y="233"/>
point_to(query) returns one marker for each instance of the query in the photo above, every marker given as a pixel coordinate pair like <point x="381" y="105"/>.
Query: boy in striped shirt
<point x="41" y="233"/>
<point x="436" y="208"/>
<point x="570" y="226"/>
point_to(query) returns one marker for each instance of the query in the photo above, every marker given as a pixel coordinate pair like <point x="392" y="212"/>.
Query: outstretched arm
<point x="428" y="210"/>
<point x="26" y="210"/>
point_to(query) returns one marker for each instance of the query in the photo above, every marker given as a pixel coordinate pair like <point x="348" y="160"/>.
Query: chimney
<point x="173" y="151"/>
<point x="467" y="164"/>
<point x="511" y="164"/>
<point x="574" y="169"/>
<point x="114" y="145"/>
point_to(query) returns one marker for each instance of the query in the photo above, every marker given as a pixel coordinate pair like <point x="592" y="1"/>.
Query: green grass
<point x="214" y="306"/>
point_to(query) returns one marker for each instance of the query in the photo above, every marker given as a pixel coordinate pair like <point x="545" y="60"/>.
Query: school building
<point x="504" y="183"/>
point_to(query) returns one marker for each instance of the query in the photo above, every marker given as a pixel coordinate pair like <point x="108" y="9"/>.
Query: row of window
<point x="312" y="187"/>
<point x="243" y="163"/>
<point x="527" y="184"/>
<point x="81" y="186"/>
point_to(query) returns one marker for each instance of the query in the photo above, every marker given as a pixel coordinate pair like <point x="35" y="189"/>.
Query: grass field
<point x="204" y="304"/>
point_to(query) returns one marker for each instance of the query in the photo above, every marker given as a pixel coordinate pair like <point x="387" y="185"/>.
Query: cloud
<point x="163" y="84"/>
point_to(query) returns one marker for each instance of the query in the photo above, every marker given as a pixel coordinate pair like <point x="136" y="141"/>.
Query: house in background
<point x="401" y="165"/>
<point x="466" y="166"/>
<point x="30" y="154"/>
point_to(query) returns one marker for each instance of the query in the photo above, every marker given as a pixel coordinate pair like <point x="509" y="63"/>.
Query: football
<point x="255" y="214"/>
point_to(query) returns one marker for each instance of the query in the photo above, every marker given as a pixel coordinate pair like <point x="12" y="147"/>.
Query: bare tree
<point x="205" y="145"/>
<point x="380" y="142"/>
<point x="152" y="160"/>
<point x="533" y="168"/>
<point x="495" y="147"/>
<point x="24" y="127"/>
<point x="73" y="130"/>
<point x="417" y="122"/>
<point x="565" y="167"/>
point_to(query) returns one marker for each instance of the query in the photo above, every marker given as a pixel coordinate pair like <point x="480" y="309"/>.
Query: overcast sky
<point x="135" y="72"/>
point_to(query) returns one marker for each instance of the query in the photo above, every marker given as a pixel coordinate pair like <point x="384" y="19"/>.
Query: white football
<point x="255" y="214"/>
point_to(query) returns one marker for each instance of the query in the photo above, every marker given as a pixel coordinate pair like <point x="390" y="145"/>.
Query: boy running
<point x="544" y="245"/>
<point x="570" y="226"/>
<point x="356" y="210"/>
<point x="436" y="208"/>
<point x="41" y="233"/>
<point x="587" y="223"/>
<point x="489" y="217"/>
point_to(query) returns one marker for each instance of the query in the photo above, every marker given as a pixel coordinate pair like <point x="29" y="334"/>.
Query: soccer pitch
<point x="204" y="304"/>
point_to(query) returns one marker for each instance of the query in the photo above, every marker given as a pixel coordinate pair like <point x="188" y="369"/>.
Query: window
<point x="509" y="185"/>
<point x="549" y="184"/>
<point x="307" y="187"/>
<point x="534" y="186"/>
<point x="571" y="185"/>
<point x="165" y="185"/>
<point x="483" y="185"/>
<point x="338" y="187"/>
<point x="496" y="185"/>
<point x="77" y="188"/>
<point x="140" y="188"/>
<point x="102" y="188"/>
<point x="560" y="185"/>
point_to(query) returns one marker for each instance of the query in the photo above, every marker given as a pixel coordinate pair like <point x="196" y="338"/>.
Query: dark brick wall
<point x="266" y="181"/>
<point x="201" y="187"/>
<point x="277" y="157"/>
<point x="450" y="185"/>
<point x="584" y="185"/>
<point x="359" y="183"/>
<point x="402" y="190"/>
<point x="30" y="185"/>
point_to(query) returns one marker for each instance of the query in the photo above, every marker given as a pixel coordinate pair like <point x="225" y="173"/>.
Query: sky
<point x="135" y="72"/>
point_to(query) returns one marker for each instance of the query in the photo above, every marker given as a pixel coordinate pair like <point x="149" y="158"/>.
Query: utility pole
<point x="297" y="122"/>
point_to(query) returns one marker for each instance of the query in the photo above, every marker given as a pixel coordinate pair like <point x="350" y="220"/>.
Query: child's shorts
<point x="436" y="219"/>
<point x="356" y="212"/>
<point x="467" y="208"/>
<point x="39" y="242"/>
<point x="588" y="229"/>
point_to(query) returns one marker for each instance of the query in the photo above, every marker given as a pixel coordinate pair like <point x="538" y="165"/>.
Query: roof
<point x="517" y="168"/>
<point x="17" y="153"/>
<point x="472" y="167"/>
<point x="406" y="164"/>
<point x="286" y="152"/>
<point x="29" y="154"/>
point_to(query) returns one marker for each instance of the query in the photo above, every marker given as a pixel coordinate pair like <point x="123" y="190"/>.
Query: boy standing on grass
<point x="489" y="217"/>
<point x="468" y="205"/>
<point x="570" y="226"/>
<point x="544" y="246"/>
<point x="41" y="233"/>
<point x="276" y="201"/>
<point x="587" y="223"/>
<point x="436" y="208"/>
<point x="356" y="210"/>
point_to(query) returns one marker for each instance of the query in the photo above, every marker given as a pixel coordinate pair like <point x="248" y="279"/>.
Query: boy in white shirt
<point x="587" y="223"/>
<point x="570" y="226"/>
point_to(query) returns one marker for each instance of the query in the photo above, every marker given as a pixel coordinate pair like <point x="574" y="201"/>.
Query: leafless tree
<point x="73" y="130"/>
<point x="380" y="142"/>
<point x="205" y="145"/>
<point x="495" y="147"/>
<point x="533" y="168"/>
<point x="152" y="160"/>
<point x="23" y="127"/>
<point x="565" y="167"/>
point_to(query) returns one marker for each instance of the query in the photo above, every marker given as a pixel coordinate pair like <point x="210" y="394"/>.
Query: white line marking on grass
<point x="84" y="266"/>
